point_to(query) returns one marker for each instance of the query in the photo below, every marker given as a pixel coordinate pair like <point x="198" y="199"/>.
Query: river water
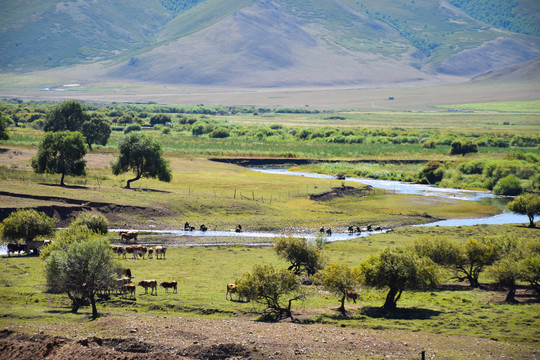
<point x="506" y="217"/>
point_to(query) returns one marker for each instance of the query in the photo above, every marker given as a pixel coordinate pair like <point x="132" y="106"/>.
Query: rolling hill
<point x="263" y="43"/>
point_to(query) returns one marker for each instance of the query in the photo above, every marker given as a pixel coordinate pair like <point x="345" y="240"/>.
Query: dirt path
<point x="141" y="336"/>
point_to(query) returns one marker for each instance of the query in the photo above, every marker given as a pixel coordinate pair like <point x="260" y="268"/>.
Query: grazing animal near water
<point x="160" y="252"/>
<point x="231" y="289"/>
<point x="152" y="284"/>
<point x="329" y="232"/>
<point x="203" y="228"/>
<point x="321" y="230"/>
<point x="169" y="285"/>
<point x="350" y="230"/>
<point x="358" y="230"/>
<point x="12" y="248"/>
<point x="238" y="228"/>
<point x="125" y="236"/>
<point x="351" y="295"/>
<point x="186" y="226"/>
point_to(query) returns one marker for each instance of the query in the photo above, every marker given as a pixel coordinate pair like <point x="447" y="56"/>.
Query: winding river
<point x="398" y="187"/>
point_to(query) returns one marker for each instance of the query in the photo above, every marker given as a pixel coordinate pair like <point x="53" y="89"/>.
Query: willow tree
<point x="142" y="155"/>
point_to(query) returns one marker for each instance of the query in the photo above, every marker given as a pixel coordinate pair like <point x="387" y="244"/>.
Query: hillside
<point x="263" y="43"/>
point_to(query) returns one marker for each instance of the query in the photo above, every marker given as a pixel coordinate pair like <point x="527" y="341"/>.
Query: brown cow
<point x="351" y="295"/>
<point x="160" y="252"/>
<point x="125" y="236"/>
<point x="152" y="284"/>
<point x="150" y="253"/>
<point x="169" y="285"/>
<point x="11" y="248"/>
<point x="128" y="289"/>
<point x="231" y="289"/>
<point x="140" y="251"/>
<point x="120" y="284"/>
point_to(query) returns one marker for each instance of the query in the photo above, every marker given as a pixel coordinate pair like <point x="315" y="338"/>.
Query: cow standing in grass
<point x="152" y="284"/>
<point x="169" y="285"/>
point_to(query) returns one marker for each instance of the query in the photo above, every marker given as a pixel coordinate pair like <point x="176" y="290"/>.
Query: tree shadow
<point x="65" y="186"/>
<point x="399" y="313"/>
<point x="3" y="150"/>
<point x="148" y="190"/>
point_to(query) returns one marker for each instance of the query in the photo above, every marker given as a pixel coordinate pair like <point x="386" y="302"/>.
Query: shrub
<point x="132" y="127"/>
<point x="219" y="133"/>
<point x="94" y="221"/>
<point x="509" y="185"/>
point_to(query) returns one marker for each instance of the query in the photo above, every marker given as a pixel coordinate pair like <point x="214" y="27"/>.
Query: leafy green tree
<point x="81" y="270"/>
<point x="399" y="270"/>
<point x="276" y="289"/>
<point x="338" y="279"/>
<point x="527" y="204"/>
<point x="531" y="271"/>
<point x="68" y="115"/>
<point x="507" y="272"/>
<point x="301" y="254"/>
<point x="61" y="153"/>
<point x="143" y="155"/>
<point x="459" y="148"/>
<point x="96" y="129"/>
<point x="26" y="225"/>
<point x="159" y="119"/>
<point x="509" y="185"/>
<point x="3" y="127"/>
<point x="96" y="222"/>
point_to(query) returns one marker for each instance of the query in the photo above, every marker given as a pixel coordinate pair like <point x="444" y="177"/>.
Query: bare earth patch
<point x="173" y="337"/>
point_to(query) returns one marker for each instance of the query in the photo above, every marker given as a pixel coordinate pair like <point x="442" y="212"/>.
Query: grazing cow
<point x="231" y="289"/>
<point x="351" y="295"/>
<point x="127" y="272"/>
<point x="238" y="228"/>
<point x="120" y="284"/>
<point x="160" y="252"/>
<point x="203" y="228"/>
<point x="169" y="285"/>
<point x="378" y="228"/>
<point x="140" y="251"/>
<point x="329" y="232"/>
<point x="350" y="230"/>
<point x="11" y="248"/>
<point x="129" y="250"/>
<point x="186" y="226"/>
<point x="358" y="231"/>
<point x="125" y="236"/>
<point x="128" y="289"/>
<point x="150" y="253"/>
<point x="369" y="228"/>
<point x="321" y="230"/>
<point x="152" y="284"/>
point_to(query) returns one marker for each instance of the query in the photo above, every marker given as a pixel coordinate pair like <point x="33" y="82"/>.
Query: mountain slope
<point x="266" y="43"/>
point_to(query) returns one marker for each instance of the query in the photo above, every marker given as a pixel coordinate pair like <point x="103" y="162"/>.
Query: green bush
<point x="509" y="185"/>
<point x="132" y="127"/>
<point x="94" y="221"/>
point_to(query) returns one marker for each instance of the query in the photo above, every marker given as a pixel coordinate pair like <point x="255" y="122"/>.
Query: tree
<point x="269" y="286"/>
<point x="61" y="153"/>
<point x="302" y="255"/>
<point x="159" y="119"/>
<point x="68" y="115"/>
<point x="26" y="225"/>
<point x="96" y="129"/>
<point x="141" y="154"/>
<point x="527" y="204"/>
<point x="458" y="148"/>
<point x="96" y="222"/>
<point x="81" y="270"/>
<point x="3" y="127"/>
<point x="398" y="270"/>
<point x="338" y="279"/>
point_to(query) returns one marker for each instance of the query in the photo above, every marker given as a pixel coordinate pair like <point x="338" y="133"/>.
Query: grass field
<point x="202" y="273"/>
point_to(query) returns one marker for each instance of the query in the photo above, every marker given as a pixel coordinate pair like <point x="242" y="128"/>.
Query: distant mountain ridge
<point x="264" y="43"/>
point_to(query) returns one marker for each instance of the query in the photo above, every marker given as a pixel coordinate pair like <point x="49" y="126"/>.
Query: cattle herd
<point x="142" y="251"/>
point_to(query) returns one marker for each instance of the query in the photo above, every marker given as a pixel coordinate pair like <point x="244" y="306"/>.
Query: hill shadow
<point x="399" y="313"/>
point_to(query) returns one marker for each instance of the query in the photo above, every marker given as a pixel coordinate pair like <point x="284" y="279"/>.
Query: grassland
<point x="202" y="272"/>
<point x="451" y="320"/>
